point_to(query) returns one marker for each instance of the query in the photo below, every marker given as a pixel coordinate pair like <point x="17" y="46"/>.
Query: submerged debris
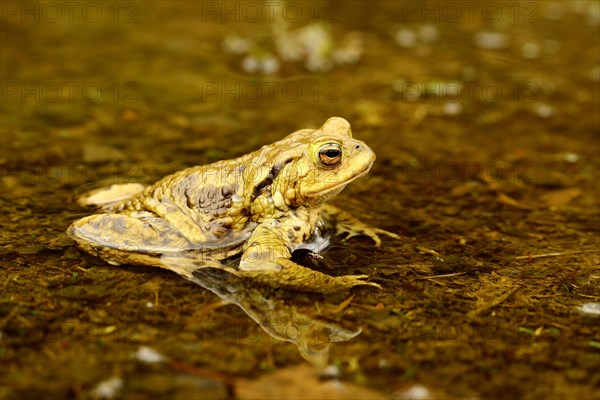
<point x="330" y="372"/>
<point x="592" y="309"/>
<point x="489" y="40"/>
<point x="265" y="63"/>
<point x="415" y="392"/>
<point x="108" y="389"/>
<point x="312" y="45"/>
<point x="406" y="38"/>
<point x="409" y="38"/>
<point x="149" y="355"/>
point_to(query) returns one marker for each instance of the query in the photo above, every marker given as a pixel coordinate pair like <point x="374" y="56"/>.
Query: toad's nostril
<point x="358" y="147"/>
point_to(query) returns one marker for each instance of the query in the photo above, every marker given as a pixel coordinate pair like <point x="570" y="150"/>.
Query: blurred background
<point x="484" y="118"/>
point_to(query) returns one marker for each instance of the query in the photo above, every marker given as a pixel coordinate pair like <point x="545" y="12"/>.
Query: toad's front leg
<point x="266" y="260"/>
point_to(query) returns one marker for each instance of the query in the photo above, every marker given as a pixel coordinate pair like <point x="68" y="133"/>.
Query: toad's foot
<point x="287" y="274"/>
<point x="346" y="224"/>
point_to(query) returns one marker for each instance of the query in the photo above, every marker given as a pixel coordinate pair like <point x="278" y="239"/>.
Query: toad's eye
<point x="330" y="154"/>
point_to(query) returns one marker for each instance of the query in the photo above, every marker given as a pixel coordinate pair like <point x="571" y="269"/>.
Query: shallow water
<point x="484" y="118"/>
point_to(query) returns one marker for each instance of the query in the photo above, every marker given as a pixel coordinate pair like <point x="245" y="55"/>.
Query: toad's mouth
<point x="324" y="189"/>
<point x="350" y="179"/>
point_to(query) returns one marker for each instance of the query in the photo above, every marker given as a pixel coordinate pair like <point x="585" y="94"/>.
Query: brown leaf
<point x="558" y="198"/>
<point x="509" y="201"/>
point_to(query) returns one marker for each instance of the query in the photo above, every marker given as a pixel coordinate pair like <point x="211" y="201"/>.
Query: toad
<point x="256" y="209"/>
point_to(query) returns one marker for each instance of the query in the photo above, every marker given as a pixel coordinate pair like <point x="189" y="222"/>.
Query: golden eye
<point x="330" y="154"/>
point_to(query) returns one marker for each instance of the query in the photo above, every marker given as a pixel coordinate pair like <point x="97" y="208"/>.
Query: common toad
<point x="263" y="205"/>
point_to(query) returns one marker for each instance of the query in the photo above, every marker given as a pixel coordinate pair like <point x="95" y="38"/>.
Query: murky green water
<point x="483" y="115"/>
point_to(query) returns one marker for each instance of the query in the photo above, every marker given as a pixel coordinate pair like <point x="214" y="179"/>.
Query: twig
<point x="493" y="304"/>
<point x="431" y="278"/>
<point x="557" y="254"/>
<point x="342" y="305"/>
<point x="588" y="296"/>
<point x="442" y="276"/>
<point x="10" y="315"/>
<point x="429" y="251"/>
<point x="432" y="281"/>
<point x="204" y="311"/>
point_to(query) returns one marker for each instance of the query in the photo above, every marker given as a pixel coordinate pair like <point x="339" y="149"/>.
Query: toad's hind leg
<point x="142" y="238"/>
<point x="137" y="237"/>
